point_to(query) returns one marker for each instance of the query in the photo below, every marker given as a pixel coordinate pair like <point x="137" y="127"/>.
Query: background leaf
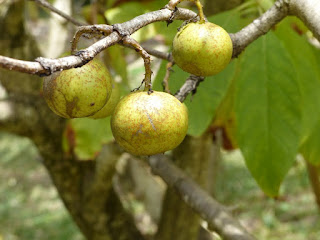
<point x="86" y="136"/>
<point x="118" y="62"/>
<point x="306" y="65"/>
<point x="310" y="148"/>
<point x="267" y="108"/>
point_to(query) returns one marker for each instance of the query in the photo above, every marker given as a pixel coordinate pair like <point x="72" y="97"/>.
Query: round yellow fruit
<point x="78" y="92"/>
<point x="109" y="107"/>
<point x="148" y="124"/>
<point x="202" y="49"/>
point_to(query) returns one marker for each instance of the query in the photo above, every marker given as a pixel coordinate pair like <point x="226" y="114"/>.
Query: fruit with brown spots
<point x="202" y="49"/>
<point x="148" y="124"/>
<point x="108" y="109"/>
<point x="78" y="92"/>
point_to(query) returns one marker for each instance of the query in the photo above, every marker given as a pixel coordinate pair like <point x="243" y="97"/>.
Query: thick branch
<point x="309" y="12"/>
<point x="215" y="214"/>
<point x="259" y="26"/>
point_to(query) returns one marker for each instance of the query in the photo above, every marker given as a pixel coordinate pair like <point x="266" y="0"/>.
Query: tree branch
<point x="189" y="86"/>
<point x="306" y="10"/>
<point x="259" y="26"/>
<point x="309" y="12"/>
<point x="218" y="218"/>
<point x="46" y="66"/>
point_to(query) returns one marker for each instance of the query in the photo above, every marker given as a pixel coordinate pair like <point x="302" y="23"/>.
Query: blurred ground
<point x="29" y="204"/>
<point x="294" y="216"/>
<point x="30" y="207"/>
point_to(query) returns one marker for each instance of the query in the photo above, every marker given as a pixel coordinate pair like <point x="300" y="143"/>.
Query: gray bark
<point x="178" y="220"/>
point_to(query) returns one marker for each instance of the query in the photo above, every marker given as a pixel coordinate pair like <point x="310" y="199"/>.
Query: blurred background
<point x="30" y="206"/>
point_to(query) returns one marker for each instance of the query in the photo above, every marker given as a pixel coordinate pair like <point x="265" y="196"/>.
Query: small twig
<point x="165" y="82"/>
<point x="172" y="4"/>
<point x="93" y="30"/>
<point x="219" y="220"/>
<point x="159" y="54"/>
<point x="189" y="86"/>
<point x="47" y="5"/>
<point x="146" y="58"/>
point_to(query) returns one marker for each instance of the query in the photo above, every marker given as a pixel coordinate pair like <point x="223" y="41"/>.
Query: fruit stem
<point x="130" y="42"/>
<point x="200" y="10"/>
<point x="165" y="82"/>
<point x="173" y="3"/>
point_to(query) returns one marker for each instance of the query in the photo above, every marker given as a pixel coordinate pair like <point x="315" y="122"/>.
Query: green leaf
<point x="310" y="147"/>
<point x="118" y="62"/>
<point x="267" y="108"/>
<point x="88" y="135"/>
<point x="229" y="20"/>
<point x="128" y="11"/>
<point x="306" y="65"/>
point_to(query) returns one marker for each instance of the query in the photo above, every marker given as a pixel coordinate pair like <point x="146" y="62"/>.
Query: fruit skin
<point x="202" y="49"/>
<point x="148" y="124"/>
<point x="109" y="107"/>
<point x="78" y="92"/>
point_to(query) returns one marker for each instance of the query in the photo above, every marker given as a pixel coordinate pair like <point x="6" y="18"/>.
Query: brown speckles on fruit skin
<point x="203" y="49"/>
<point x="78" y="92"/>
<point x="146" y="124"/>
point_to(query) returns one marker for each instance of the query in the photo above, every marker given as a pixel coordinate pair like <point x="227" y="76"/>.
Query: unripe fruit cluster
<point x="143" y="123"/>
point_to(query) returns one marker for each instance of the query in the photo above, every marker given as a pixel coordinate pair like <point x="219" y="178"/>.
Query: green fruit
<point x="148" y="124"/>
<point x="78" y="92"/>
<point x="108" y="109"/>
<point x="202" y="49"/>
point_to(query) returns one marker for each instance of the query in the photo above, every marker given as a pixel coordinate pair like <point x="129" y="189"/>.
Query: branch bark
<point x="309" y="12"/>
<point x="218" y="218"/>
<point x="178" y="220"/>
<point x="259" y="27"/>
<point x="44" y="66"/>
<point x="306" y="10"/>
